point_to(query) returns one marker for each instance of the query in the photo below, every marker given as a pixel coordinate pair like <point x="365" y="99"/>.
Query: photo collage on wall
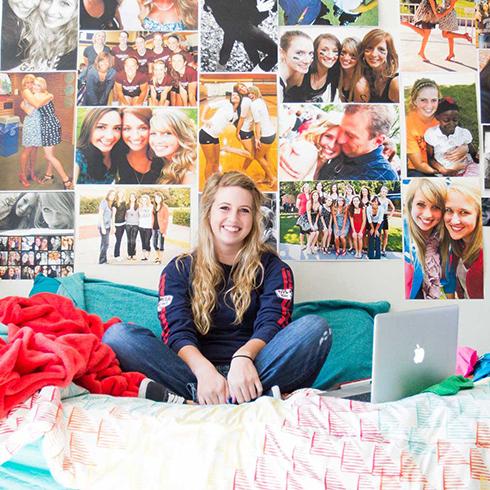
<point x="360" y="124"/>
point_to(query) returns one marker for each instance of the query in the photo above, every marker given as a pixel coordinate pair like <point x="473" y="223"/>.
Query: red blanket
<point x="53" y="343"/>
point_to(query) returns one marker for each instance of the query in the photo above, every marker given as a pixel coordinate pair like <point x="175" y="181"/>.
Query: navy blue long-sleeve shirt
<point x="270" y="310"/>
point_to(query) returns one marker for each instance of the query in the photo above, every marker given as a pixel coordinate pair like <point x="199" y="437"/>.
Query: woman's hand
<point x="212" y="387"/>
<point x="243" y="380"/>
<point x="298" y="159"/>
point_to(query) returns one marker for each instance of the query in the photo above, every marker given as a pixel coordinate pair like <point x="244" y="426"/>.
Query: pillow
<point x="350" y="357"/>
<point x="43" y="284"/>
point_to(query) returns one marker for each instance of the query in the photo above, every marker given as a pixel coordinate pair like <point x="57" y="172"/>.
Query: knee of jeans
<point x="116" y="335"/>
<point x="317" y="327"/>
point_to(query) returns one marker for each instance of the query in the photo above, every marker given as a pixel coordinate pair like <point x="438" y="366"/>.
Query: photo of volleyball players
<point x="238" y="127"/>
<point x="348" y="65"/>
<point x="132" y="225"/>
<point x="441" y="125"/>
<point x="340" y="220"/>
<point x="239" y="36"/>
<point x="137" y="69"/>
<point x="443" y="238"/>
<point x="355" y="141"/>
<point x="438" y="36"/>
<point x="136" y="145"/>
<point x="36" y="130"/>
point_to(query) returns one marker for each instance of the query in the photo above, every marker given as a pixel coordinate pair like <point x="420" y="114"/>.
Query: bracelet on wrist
<point x="242" y="355"/>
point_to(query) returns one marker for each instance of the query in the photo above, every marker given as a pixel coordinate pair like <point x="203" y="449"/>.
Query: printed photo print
<point x="485" y="211"/>
<point x="486" y="155"/>
<point x="36" y="130"/>
<point x="39" y="35"/>
<point x="342" y="65"/>
<point x="482" y="20"/>
<point x="137" y="68"/>
<point x="340" y="220"/>
<point x="26" y="256"/>
<point x="36" y="212"/>
<point x="147" y="15"/>
<point x="132" y="225"/>
<point x="484" y="61"/>
<point x="443" y="238"/>
<point x="328" y="12"/>
<point x="136" y="145"/>
<point x="339" y="142"/>
<point x="441" y="125"/>
<point x="438" y="35"/>
<point x="238" y="127"/>
<point x="238" y="36"/>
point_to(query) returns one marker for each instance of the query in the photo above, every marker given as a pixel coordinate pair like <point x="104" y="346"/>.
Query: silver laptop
<point x="412" y="350"/>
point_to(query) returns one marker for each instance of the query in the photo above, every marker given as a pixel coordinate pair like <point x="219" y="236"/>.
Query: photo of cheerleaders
<point x="357" y="218"/>
<point x="173" y="140"/>
<point x="168" y="16"/>
<point x="95" y="161"/>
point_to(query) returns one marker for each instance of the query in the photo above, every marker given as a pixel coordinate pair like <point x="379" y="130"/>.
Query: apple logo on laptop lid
<point x="418" y="354"/>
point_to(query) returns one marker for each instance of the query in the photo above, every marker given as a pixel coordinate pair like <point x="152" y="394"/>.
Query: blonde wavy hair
<point x="471" y="192"/>
<point x="187" y="11"/>
<point x="247" y="272"/>
<point x="44" y="46"/>
<point x="27" y="79"/>
<point x="184" y="128"/>
<point x="351" y="46"/>
<point x="435" y="191"/>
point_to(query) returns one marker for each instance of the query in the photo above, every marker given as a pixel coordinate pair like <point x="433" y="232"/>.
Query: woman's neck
<point x="138" y="161"/>
<point x="291" y="77"/>
<point x="347" y="76"/>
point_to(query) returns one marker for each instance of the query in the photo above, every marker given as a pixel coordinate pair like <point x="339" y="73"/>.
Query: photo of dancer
<point x="443" y="239"/>
<point x="238" y="126"/>
<point x="328" y="12"/>
<point x="339" y="142"/>
<point x="421" y="41"/>
<point x="132" y="68"/>
<point x="132" y="225"/>
<point x="40" y="155"/>
<point x="39" y="35"/>
<point x="136" y="146"/>
<point x="325" y="220"/>
<point x="352" y="65"/>
<point x="441" y="126"/>
<point x="239" y="36"/>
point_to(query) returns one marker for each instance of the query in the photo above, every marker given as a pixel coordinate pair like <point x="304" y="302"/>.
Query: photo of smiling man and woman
<point x="328" y="12"/>
<point x="36" y="130"/>
<point x="238" y="127"/>
<point x="137" y="68"/>
<point x="136" y="145"/>
<point x="340" y="220"/>
<point x="442" y="137"/>
<point x="443" y="239"/>
<point x="350" y="65"/>
<point x="132" y="225"/>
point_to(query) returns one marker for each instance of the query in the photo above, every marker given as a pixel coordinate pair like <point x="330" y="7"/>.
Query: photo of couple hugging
<point x="351" y="142"/>
<point x="340" y="220"/>
<point x="443" y="239"/>
<point x="441" y="129"/>
<point x="362" y="66"/>
<point x="137" y="68"/>
<point x="136" y="145"/>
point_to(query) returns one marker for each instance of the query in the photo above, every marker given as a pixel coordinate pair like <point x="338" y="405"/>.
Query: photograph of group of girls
<point x="137" y="68"/>
<point x="441" y="126"/>
<point x="132" y="225"/>
<point x="340" y="220"/>
<point x="26" y="256"/>
<point x="39" y="35"/>
<point x="339" y="142"/>
<point x="34" y="212"/>
<point x="36" y="130"/>
<point x="328" y="12"/>
<point x="438" y="35"/>
<point x="238" y="36"/>
<point x="136" y="145"/>
<point x="345" y="65"/>
<point x="148" y="15"/>
<point x="443" y="238"/>
<point x="482" y="18"/>
<point x="238" y="127"/>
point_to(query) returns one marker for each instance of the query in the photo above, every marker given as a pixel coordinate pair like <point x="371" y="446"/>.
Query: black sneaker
<point x="151" y="390"/>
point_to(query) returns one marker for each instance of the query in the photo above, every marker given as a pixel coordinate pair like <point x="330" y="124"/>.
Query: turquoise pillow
<point x="350" y="357"/>
<point x="43" y="284"/>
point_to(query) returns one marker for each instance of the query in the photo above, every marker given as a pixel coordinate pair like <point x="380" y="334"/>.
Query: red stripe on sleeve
<point x="162" y="313"/>
<point x="285" y="310"/>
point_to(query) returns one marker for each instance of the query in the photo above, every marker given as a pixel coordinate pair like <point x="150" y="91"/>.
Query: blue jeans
<point x="374" y="247"/>
<point x="104" y="245"/>
<point x="291" y="360"/>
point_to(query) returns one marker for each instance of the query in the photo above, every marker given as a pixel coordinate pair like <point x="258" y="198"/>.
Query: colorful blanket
<point x="307" y="442"/>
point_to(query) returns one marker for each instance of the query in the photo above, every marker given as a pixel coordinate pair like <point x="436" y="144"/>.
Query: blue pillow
<point x="350" y="357"/>
<point x="43" y="284"/>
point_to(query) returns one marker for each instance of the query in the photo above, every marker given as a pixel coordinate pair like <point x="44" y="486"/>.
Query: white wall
<point x="365" y="281"/>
